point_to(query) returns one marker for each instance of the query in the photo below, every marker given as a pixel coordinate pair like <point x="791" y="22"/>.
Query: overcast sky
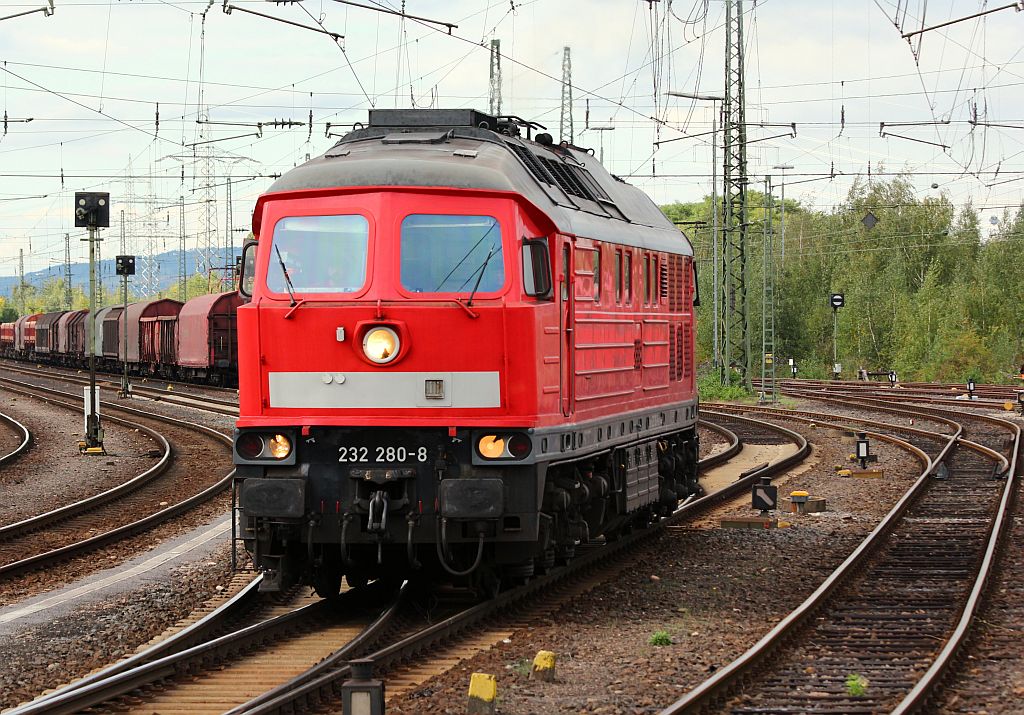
<point x="90" y="76"/>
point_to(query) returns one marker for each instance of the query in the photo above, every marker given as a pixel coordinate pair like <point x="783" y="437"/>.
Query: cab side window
<point x="565" y="272"/>
<point x="618" y="276"/>
<point x="629" y="277"/>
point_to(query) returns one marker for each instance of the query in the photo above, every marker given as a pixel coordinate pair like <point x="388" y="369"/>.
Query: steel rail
<point x="124" y="682"/>
<point x="209" y="404"/>
<point x="984" y="395"/>
<point x="930" y="413"/>
<point x="139" y="525"/>
<point x="26" y="439"/>
<point x="821" y="418"/>
<point x="195" y="633"/>
<point x="322" y="678"/>
<point x="16" y="363"/>
<point x="725" y="678"/>
<point x="34" y="523"/>
<point x="734" y="448"/>
<point x="123" y="677"/>
<point x="919" y="695"/>
<point x="824" y="419"/>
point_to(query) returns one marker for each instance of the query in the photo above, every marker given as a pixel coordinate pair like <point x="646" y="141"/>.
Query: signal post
<point x="125" y="267"/>
<point x="92" y="211"/>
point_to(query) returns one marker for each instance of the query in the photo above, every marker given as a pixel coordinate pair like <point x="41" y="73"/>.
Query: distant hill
<point x="167" y="272"/>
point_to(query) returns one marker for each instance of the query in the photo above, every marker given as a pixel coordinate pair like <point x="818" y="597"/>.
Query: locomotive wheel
<point x="544" y="563"/>
<point x="326" y="581"/>
<point x="357" y="579"/>
<point x="487" y="582"/>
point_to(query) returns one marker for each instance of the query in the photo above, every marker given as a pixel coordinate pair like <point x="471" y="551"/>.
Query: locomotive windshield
<point x="451" y="254"/>
<point x="319" y="254"/>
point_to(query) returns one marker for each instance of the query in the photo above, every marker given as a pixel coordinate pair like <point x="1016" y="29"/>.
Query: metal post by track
<point x="92" y="211"/>
<point x="125" y="267"/>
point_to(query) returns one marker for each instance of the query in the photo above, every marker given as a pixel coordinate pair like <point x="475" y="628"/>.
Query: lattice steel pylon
<point x="182" y="267"/>
<point x="565" y="117"/>
<point x="495" y="83"/>
<point x="209" y="245"/>
<point x="735" y="328"/>
<point x="22" y="305"/>
<point x="768" y="358"/>
<point x="67" y="271"/>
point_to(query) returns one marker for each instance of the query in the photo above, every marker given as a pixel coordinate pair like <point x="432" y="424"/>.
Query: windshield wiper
<point x="287" y="280"/>
<point x="480" y="275"/>
<point x="463" y="259"/>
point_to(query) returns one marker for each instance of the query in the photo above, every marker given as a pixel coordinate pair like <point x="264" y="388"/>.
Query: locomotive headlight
<point x="279" y="446"/>
<point x="512" y="446"/>
<point x="491" y="446"/>
<point x="381" y="345"/>
<point x="249" y="445"/>
<point x="265" y="447"/>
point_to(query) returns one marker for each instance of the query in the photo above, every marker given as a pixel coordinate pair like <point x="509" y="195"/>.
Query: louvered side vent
<point x="673" y="353"/>
<point x="663" y="289"/>
<point x="532" y="163"/>
<point x="687" y="272"/>
<point x="687" y="352"/>
<point x="675" y="284"/>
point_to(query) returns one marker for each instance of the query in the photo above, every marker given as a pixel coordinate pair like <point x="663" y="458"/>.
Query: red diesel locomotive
<point x="464" y="352"/>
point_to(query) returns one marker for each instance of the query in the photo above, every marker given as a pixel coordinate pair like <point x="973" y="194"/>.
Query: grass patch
<point x="523" y="666"/>
<point x="710" y="387"/>
<point x="660" y="638"/>
<point x="856" y="685"/>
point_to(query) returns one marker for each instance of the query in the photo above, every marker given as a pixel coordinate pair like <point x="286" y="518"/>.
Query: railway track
<point x="57" y="535"/>
<point x="24" y="435"/>
<point x="196" y="400"/>
<point x="390" y="636"/>
<point x="879" y="634"/>
<point x="993" y="397"/>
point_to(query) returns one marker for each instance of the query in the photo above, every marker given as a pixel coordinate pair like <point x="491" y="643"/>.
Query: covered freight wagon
<point x="61" y="328"/>
<point x="28" y="333"/>
<point x="109" y="345"/>
<point x="7" y="338"/>
<point x="46" y="332"/>
<point x="71" y="337"/>
<point x="19" y="333"/>
<point x="97" y="335"/>
<point x="207" y="341"/>
<point x="152" y="334"/>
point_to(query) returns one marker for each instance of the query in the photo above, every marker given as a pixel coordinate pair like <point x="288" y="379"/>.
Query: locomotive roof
<point x="568" y="184"/>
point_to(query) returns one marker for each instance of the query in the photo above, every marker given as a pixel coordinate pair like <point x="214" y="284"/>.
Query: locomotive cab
<point x="427" y="382"/>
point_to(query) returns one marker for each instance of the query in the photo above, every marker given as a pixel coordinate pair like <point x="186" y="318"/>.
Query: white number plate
<point x="384" y="455"/>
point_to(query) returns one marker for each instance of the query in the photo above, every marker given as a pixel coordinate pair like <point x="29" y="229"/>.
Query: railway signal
<point x="837" y="301"/>
<point x="863" y="449"/>
<point x="764" y="496"/>
<point x="92" y="211"/>
<point x="125" y="266"/>
<point x="970" y="389"/>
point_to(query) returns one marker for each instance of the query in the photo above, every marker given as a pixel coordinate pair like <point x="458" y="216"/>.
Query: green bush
<point x="710" y="387"/>
<point x="856" y="685"/>
<point x="660" y="638"/>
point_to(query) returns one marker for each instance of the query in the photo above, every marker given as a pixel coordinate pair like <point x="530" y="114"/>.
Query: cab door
<point x="566" y="299"/>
